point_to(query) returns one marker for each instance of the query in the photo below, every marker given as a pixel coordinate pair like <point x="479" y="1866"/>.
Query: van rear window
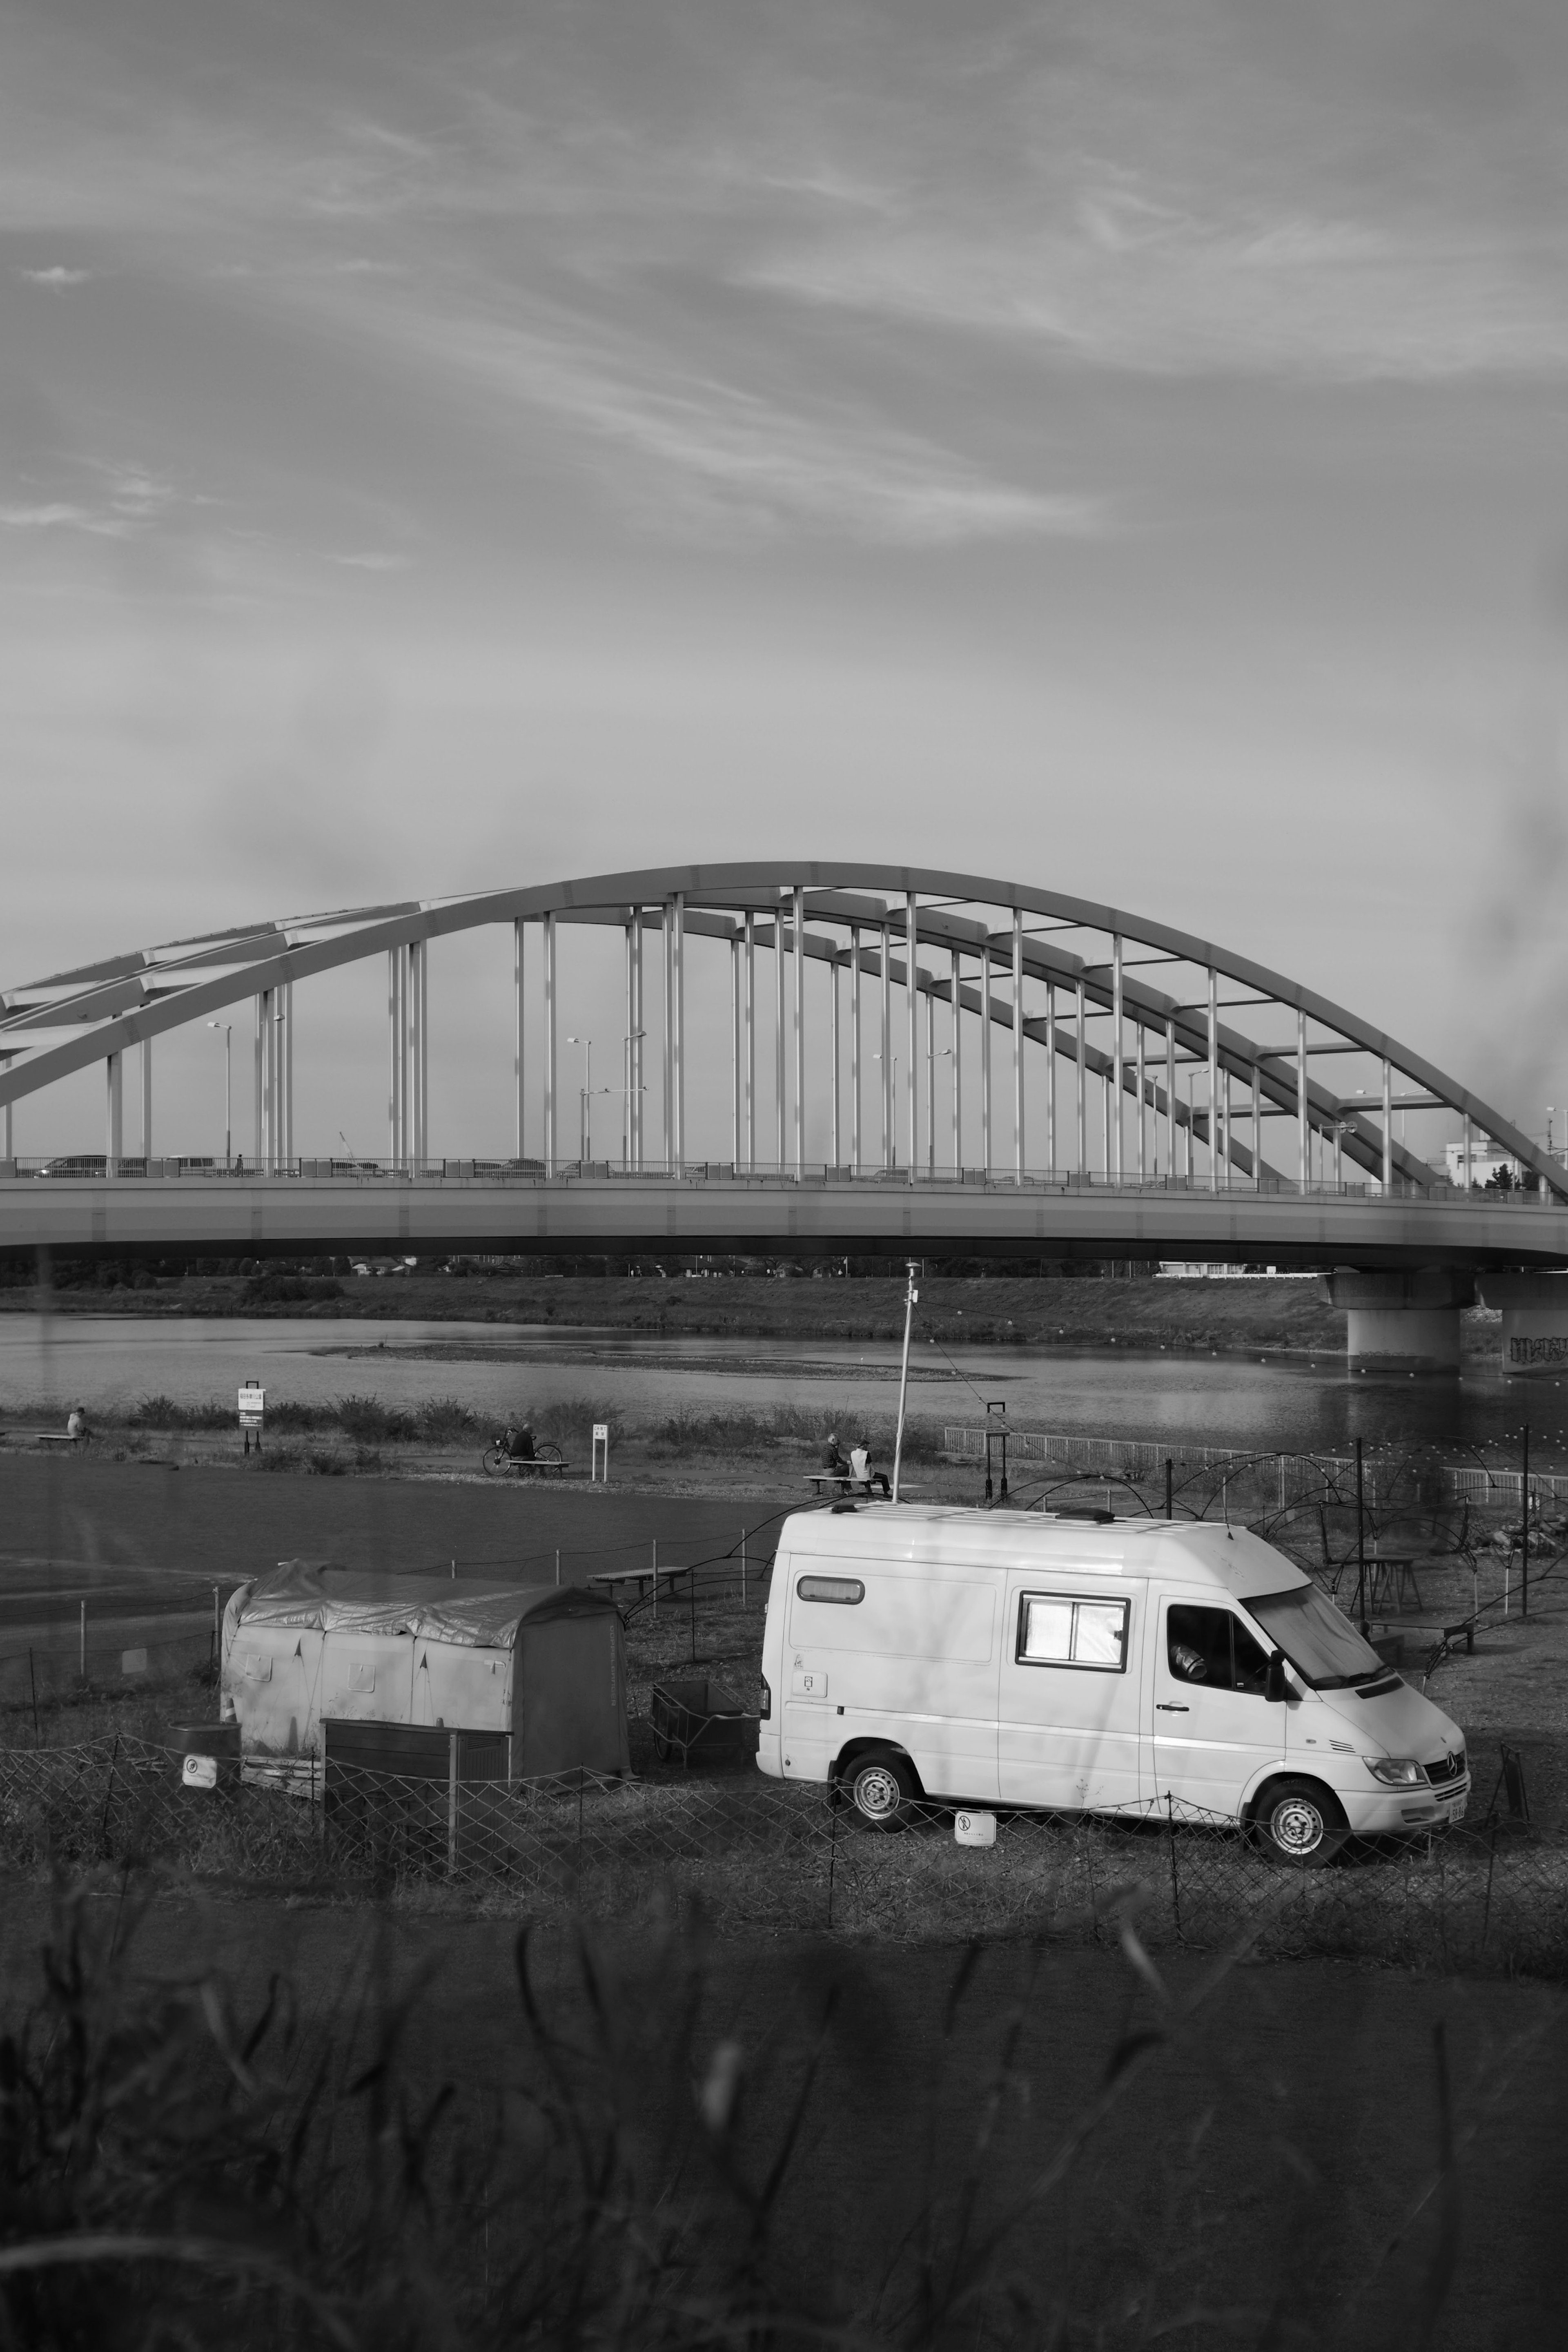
<point x="1057" y="1630"/>
<point x="845" y="1590"/>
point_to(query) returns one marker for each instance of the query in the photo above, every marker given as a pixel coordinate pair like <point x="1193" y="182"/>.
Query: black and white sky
<point x="1119" y="443"/>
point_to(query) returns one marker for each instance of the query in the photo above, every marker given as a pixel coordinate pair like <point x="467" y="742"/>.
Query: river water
<point x="1292" y="1405"/>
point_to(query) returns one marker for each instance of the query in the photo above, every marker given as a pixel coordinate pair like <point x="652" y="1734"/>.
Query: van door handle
<point x="1171" y="1706"/>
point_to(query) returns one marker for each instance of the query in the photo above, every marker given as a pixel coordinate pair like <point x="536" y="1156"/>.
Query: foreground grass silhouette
<point x="174" y="2172"/>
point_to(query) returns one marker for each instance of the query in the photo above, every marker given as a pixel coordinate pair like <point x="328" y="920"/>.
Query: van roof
<point x="960" y="1535"/>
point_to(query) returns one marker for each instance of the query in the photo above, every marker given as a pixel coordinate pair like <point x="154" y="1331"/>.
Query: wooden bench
<point x="841" y="1483"/>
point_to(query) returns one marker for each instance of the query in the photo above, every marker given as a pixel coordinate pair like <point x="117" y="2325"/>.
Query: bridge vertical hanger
<point x="1303" y="1130"/>
<point x="518" y="1122"/>
<point x="750" y="1038"/>
<point x="886" y="1057"/>
<point x="1142" y="1168"/>
<point x="1225" y="1129"/>
<point x="833" y="975"/>
<point x="1117" y="1040"/>
<point x="911" y="1010"/>
<point x="114" y="1113"/>
<point x="548" y="952"/>
<point x="957" y="1033"/>
<point x="679" y="905"/>
<point x="735" y="1051"/>
<point x="258" y="1135"/>
<point x="421" y="953"/>
<point x="985" y="1154"/>
<point x="1017" y="1046"/>
<point x="288" y="1072"/>
<point x="1213" y="1079"/>
<point x="638" y="1028"/>
<point x="1257" y="1128"/>
<point x="855" y="1047"/>
<point x="1467" y="1154"/>
<point x="1083" y="1105"/>
<point x="798" y="1017"/>
<point x="145" y="1073"/>
<point x="1050" y="1078"/>
<point x="1171" y="1129"/>
<point x="1387" y="1127"/>
<point x="667" y="1034"/>
<point x="930" y="995"/>
<point x="780" y="1043"/>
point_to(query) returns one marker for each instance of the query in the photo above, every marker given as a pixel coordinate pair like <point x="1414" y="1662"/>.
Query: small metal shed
<point x="541" y="1666"/>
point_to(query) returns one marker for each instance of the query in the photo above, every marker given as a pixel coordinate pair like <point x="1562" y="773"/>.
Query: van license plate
<point x="1456" y="1807"/>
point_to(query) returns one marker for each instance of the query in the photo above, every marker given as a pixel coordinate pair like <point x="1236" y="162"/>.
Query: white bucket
<point x="975" y="1829"/>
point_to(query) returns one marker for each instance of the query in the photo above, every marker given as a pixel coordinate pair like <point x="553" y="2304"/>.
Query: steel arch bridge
<point x="1114" y="1087"/>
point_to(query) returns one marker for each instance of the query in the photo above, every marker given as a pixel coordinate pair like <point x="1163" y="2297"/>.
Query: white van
<point x="1080" y="1663"/>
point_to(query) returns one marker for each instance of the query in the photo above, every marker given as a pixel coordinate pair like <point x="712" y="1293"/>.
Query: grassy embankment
<point x="1004" y="1310"/>
<point x="773" y="1446"/>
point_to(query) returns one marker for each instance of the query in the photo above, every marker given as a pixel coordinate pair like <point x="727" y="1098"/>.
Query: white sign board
<point x="251" y="1402"/>
<point x="602" y="1432"/>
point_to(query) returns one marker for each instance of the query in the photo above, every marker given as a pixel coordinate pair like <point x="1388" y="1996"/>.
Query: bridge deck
<point x="427" y="1215"/>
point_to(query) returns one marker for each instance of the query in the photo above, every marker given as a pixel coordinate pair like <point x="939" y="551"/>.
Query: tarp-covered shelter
<point x="542" y="1665"/>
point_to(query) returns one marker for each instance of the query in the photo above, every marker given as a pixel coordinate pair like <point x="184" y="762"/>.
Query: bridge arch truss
<point x="1159" y="1058"/>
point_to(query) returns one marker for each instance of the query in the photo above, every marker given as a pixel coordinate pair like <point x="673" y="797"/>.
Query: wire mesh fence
<point x="139" y="1660"/>
<point x="792" y="1857"/>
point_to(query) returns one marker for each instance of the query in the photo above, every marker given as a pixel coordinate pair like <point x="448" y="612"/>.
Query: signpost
<point x="252" y="1404"/>
<point x="600" y="1452"/>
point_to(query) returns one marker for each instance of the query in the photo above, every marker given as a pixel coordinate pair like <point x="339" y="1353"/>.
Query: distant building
<point x="1486" y="1159"/>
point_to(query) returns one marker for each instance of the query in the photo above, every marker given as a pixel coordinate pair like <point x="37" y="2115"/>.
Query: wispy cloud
<point x="62" y="514"/>
<point x="130" y="499"/>
<point x="56" y="275"/>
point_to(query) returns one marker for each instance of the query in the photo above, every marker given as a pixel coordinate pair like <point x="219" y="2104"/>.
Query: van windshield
<point x="1324" y="1647"/>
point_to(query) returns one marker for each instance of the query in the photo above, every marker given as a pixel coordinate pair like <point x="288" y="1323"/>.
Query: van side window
<point x="1054" y="1630"/>
<point x="1212" y="1646"/>
<point x="845" y="1590"/>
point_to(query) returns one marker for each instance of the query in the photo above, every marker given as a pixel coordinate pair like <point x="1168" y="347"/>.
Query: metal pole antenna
<point x="1360" y="1544"/>
<point x="1524" y="1529"/>
<point x="909" y="1304"/>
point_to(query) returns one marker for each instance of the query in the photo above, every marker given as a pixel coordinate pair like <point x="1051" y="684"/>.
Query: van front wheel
<point x="881" y="1790"/>
<point x="1299" y="1822"/>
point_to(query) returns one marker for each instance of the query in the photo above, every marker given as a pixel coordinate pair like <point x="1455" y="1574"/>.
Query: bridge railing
<point x="94" y="1167"/>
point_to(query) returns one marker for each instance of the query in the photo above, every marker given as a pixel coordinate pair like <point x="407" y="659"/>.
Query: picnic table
<point x="613" y="1579"/>
<point x="1390" y="1579"/>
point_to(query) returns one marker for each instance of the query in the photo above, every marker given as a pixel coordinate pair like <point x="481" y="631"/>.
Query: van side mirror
<point x="1275" y="1686"/>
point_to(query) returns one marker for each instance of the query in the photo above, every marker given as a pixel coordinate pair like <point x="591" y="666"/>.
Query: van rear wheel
<point x="1299" y="1822"/>
<point x="882" y="1788"/>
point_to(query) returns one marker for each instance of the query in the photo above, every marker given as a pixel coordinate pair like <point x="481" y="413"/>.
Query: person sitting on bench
<point x="862" y="1473"/>
<point x="832" y="1459"/>
<point x="520" y="1444"/>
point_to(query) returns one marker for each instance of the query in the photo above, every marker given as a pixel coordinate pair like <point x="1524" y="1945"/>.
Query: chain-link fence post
<point x="1175" y="1882"/>
<point x="832" y="1847"/>
<point x="107" y="1797"/>
<point x="1486" y="1907"/>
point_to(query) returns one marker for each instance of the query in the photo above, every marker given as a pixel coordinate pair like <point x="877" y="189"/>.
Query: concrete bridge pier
<point x="1534" y="1320"/>
<point x="1402" y="1322"/>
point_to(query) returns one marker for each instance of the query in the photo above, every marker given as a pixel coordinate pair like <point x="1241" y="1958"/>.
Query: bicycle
<point x="499" y="1458"/>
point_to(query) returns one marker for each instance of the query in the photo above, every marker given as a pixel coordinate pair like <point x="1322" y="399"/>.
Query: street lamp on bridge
<point x="228" y="1028"/>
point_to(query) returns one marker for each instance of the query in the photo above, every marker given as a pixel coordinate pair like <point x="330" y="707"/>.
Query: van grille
<point x="1447" y="1768"/>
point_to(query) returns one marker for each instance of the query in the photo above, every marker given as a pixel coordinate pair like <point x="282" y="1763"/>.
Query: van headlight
<point x="1398" y="1772"/>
